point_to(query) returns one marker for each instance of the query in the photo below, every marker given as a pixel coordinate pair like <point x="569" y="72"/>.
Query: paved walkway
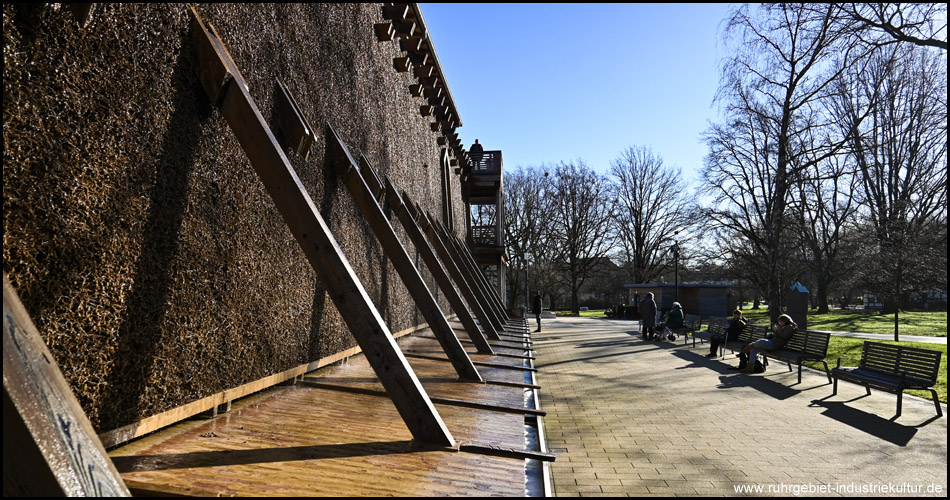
<point x="633" y="418"/>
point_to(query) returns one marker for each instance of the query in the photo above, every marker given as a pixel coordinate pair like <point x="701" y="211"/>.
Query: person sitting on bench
<point x="783" y="330"/>
<point x="736" y="325"/>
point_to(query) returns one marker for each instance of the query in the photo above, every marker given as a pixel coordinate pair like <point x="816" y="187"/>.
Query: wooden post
<point x="49" y="446"/>
<point x="466" y="255"/>
<point x="475" y="274"/>
<point x="373" y="213"/>
<point x="438" y="271"/>
<point x="396" y="203"/>
<point x="459" y="272"/>
<point x="314" y="237"/>
<point x="470" y="269"/>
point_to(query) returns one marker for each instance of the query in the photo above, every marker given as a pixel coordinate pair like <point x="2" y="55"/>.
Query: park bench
<point x="893" y="368"/>
<point x="714" y="326"/>
<point x="807" y="345"/>
<point x="691" y="323"/>
<point x="749" y="334"/>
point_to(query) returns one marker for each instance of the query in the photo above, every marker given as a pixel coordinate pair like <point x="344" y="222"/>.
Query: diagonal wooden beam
<point x="49" y="445"/>
<point x="473" y="275"/>
<point x="349" y="171"/>
<point x="469" y="259"/>
<point x="395" y="203"/>
<point x="472" y="295"/>
<point x="223" y="83"/>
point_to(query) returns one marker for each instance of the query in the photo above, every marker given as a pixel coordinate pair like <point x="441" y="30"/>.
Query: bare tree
<point x="901" y="154"/>
<point x="785" y="62"/>
<point x="922" y="24"/>
<point x="652" y="209"/>
<point x="581" y="223"/>
<point x="825" y="208"/>
<point x="528" y="214"/>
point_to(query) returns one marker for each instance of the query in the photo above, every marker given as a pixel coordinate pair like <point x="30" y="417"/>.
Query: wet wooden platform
<point x="336" y="433"/>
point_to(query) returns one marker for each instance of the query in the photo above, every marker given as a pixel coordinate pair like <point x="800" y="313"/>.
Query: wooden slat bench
<point x="691" y="323"/>
<point x="807" y="345"/>
<point x="749" y="334"/>
<point x="893" y="368"/>
<point x="714" y="326"/>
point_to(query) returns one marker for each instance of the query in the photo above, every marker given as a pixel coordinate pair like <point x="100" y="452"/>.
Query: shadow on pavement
<point x="869" y="423"/>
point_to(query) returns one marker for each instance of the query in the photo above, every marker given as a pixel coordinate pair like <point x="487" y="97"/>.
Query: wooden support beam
<point x="384" y="31"/>
<point x="396" y="204"/>
<point x="349" y="171"/>
<point x="425" y="110"/>
<point x="296" y="131"/>
<point x="411" y="45"/>
<point x="500" y="451"/>
<point x="416" y="89"/>
<point x="469" y="258"/>
<point x="396" y="12"/>
<point x="474" y="275"/>
<point x="422" y="71"/>
<point x="462" y="280"/>
<point x="487" y="406"/>
<point x="420" y="59"/>
<point x="401" y="64"/>
<point x="505" y="367"/>
<point x="316" y="241"/>
<point x="405" y="29"/>
<point x="49" y="445"/>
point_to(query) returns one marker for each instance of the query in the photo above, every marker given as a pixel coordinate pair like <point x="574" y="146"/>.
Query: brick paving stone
<point x="628" y="417"/>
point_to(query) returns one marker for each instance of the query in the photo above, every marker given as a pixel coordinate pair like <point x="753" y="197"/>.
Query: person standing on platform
<point x="536" y="308"/>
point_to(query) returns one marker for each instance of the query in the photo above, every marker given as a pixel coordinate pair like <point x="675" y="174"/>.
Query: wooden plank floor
<point x="338" y="434"/>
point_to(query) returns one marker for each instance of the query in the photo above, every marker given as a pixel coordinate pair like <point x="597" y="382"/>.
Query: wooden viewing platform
<point x="337" y="433"/>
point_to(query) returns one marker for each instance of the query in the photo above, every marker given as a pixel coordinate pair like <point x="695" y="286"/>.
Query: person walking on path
<point x="536" y="308"/>
<point x="648" y="311"/>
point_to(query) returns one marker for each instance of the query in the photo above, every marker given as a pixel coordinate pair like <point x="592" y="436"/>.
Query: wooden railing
<point x="486" y="162"/>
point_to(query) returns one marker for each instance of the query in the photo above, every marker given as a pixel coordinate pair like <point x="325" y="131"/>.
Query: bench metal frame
<point x="893" y="368"/>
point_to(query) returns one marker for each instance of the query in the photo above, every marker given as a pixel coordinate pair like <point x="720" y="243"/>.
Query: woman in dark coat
<point x="536" y="308"/>
<point x="648" y="322"/>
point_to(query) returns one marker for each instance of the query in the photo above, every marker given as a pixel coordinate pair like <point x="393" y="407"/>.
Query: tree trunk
<point x="821" y="295"/>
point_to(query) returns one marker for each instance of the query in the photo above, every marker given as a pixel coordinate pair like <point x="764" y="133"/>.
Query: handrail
<point x="485" y="162"/>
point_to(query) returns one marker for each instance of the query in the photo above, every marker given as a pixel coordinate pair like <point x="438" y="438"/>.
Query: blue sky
<point x="555" y="82"/>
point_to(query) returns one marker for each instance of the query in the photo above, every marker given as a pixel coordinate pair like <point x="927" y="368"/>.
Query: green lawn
<point x="929" y="324"/>
<point x="933" y="324"/>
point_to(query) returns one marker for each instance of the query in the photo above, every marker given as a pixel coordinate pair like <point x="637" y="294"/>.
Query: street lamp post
<point x="676" y="271"/>
<point x="527" y="300"/>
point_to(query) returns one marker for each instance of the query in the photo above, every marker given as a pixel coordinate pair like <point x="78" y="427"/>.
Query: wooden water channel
<point x="336" y="432"/>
